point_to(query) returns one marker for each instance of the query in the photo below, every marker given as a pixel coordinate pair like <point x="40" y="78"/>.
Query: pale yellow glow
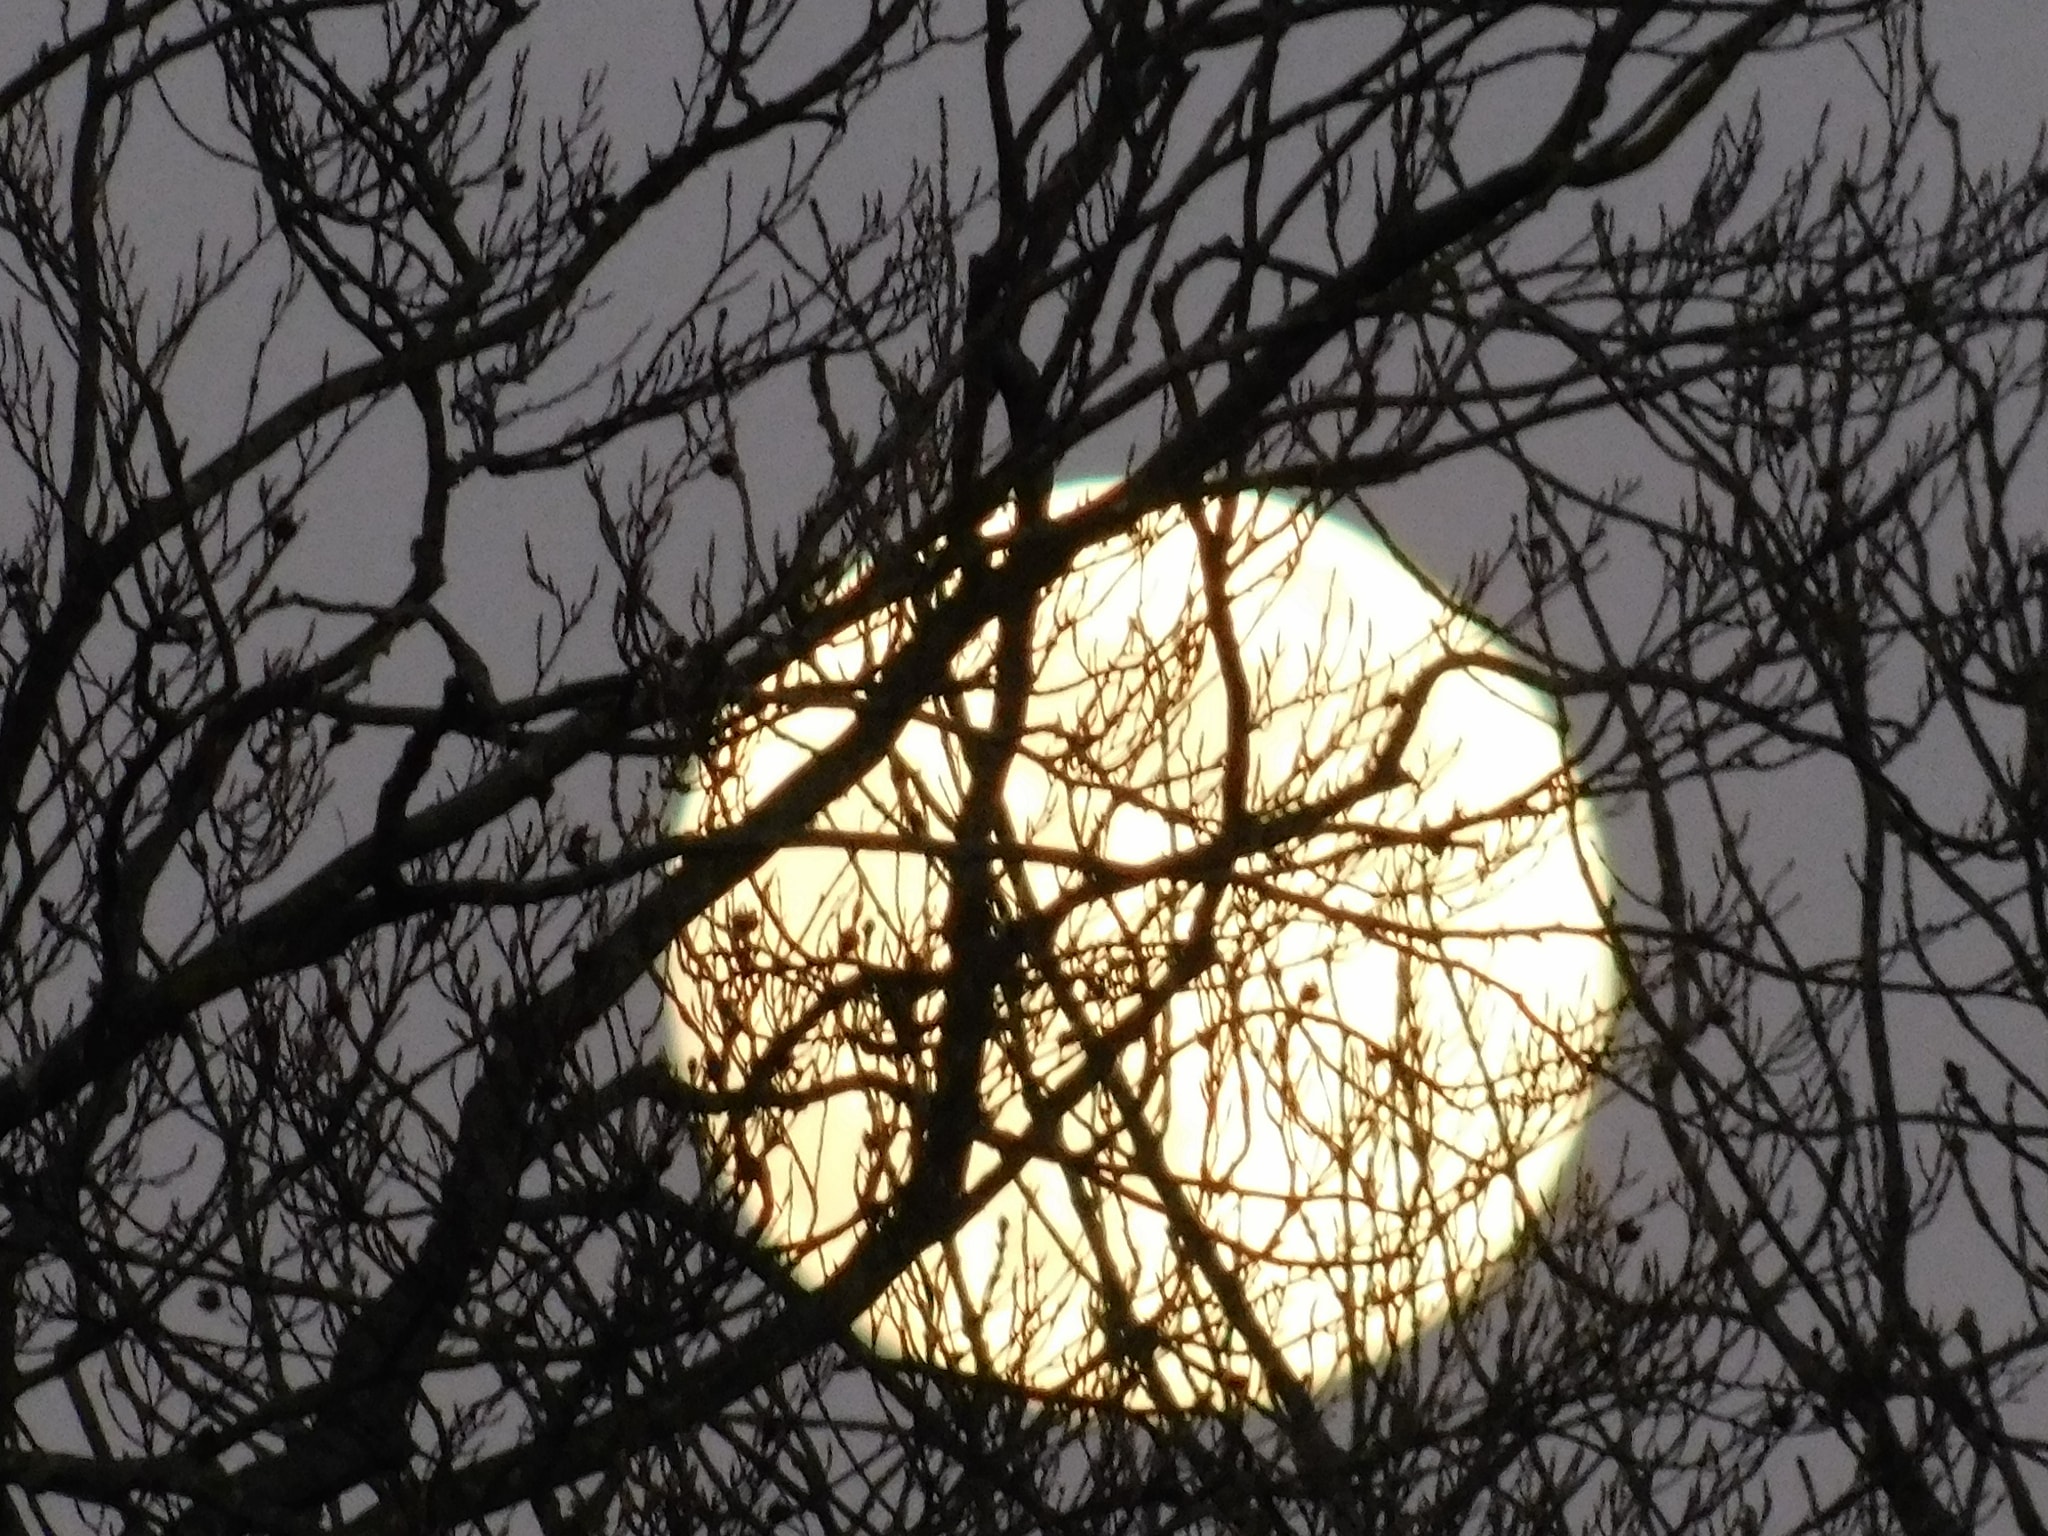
<point x="1321" y="1141"/>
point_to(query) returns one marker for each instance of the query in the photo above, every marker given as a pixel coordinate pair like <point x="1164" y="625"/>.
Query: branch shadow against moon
<point x="1297" y="955"/>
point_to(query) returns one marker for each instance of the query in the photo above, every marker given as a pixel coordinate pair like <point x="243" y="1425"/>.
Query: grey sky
<point x="1457" y="516"/>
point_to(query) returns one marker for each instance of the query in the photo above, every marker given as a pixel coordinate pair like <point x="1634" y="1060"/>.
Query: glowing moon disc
<point x="1289" y="1046"/>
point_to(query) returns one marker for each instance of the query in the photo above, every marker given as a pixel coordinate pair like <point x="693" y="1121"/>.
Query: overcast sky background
<point x="1995" y="58"/>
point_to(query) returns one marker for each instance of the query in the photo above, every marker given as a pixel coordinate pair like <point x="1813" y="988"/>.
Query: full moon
<point x="1302" y="966"/>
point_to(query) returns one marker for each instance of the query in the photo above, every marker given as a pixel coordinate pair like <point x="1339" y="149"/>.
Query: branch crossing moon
<point x="1295" y="953"/>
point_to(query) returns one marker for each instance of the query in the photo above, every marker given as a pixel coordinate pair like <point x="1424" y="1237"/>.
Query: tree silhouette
<point x="444" y="437"/>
